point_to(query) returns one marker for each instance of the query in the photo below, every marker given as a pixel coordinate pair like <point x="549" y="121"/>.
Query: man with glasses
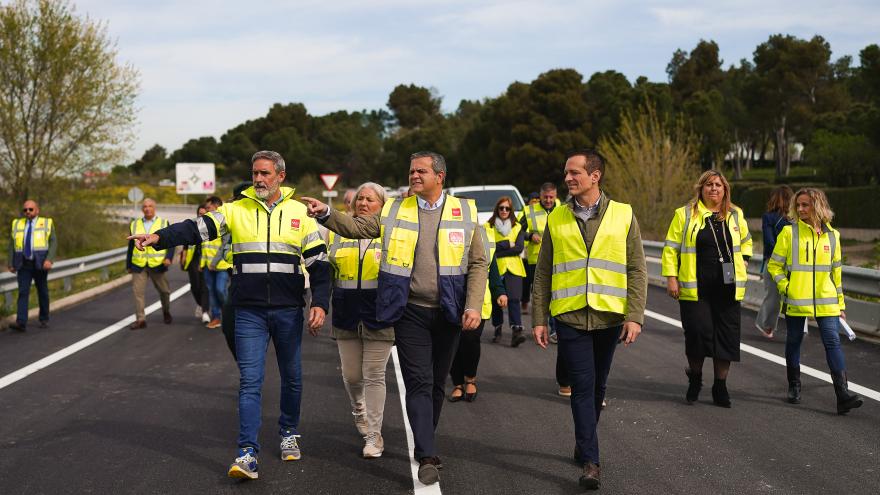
<point x="31" y="253"/>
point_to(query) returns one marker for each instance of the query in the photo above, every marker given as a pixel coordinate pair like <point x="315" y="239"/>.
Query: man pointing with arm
<point x="432" y="279"/>
<point x="271" y="235"/>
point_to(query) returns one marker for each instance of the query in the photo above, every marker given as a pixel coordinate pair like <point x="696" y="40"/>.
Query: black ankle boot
<point x="695" y="383"/>
<point x="497" y="338"/>
<point x="517" y="337"/>
<point x="719" y="393"/>
<point x="845" y="400"/>
<point x="794" y="384"/>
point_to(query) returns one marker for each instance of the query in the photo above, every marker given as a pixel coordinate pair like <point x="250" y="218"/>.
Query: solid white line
<point x="418" y="487"/>
<point x="82" y="344"/>
<point x="773" y="358"/>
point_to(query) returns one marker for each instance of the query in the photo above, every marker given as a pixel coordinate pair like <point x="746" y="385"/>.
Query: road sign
<point x="135" y="194"/>
<point x="195" y="178"/>
<point x="330" y="194"/>
<point x="329" y="180"/>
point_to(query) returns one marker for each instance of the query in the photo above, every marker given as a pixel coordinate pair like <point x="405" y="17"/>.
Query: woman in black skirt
<point x="704" y="261"/>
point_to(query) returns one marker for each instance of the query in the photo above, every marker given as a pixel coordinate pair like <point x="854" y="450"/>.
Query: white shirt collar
<point x="425" y="205"/>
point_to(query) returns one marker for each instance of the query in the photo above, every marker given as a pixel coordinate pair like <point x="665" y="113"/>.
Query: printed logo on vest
<point x="456" y="237"/>
<point x="378" y="255"/>
<point x="827" y="248"/>
<point x="294" y="223"/>
<point x="456" y="212"/>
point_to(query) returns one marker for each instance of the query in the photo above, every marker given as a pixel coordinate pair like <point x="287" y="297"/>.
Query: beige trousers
<point x="139" y="284"/>
<point x="363" y="372"/>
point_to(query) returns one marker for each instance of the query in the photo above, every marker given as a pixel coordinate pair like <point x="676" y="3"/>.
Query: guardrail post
<point x="68" y="284"/>
<point x="9" y="300"/>
<point x="105" y="274"/>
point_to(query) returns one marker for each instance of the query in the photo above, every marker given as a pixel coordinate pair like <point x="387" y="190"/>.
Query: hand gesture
<point x="47" y="265"/>
<point x="141" y="241"/>
<point x="630" y="332"/>
<point x="502" y="301"/>
<point x="315" y="207"/>
<point x="672" y="287"/>
<point x="470" y="320"/>
<point x="541" y="335"/>
<point x="316" y="319"/>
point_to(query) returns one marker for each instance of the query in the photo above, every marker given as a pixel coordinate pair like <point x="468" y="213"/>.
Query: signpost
<point x="329" y="181"/>
<point x="195" y="178"/>
<point x="135" y="195"/>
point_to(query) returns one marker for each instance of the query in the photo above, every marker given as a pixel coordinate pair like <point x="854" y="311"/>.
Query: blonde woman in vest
<point x="704" y="261"/>
<point x="806" y="266"/>
<point x="364" y="343"/>
<point x="509" y="242"/>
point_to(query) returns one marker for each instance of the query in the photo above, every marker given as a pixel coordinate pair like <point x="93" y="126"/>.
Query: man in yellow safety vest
<point x="149" y="263"/>
<point x="31" y="251"/>
<point x="591" y="276"/>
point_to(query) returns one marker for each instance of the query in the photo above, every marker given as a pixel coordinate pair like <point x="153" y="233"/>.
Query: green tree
<point x="412" y="106"/>
<point x="651" y="164"/>
<point x="66" y="104"/>
<point x="845" y="159"/>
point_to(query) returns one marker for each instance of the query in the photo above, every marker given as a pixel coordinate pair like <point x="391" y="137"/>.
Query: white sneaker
<point x="206" y="318"/>
<point x="374" y="445"/>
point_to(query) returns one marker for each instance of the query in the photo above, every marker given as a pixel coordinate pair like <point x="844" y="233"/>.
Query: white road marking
<point x="82" y="344"/>
<point x="773" y="358"/>
<point x="418" y="487"/>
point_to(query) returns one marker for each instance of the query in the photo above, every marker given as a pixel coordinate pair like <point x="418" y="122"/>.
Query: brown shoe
<point x="167" y="316"/>
<point x="429" y="470"/>
<point x="215" y="323"/>
<point x="590" y="479"/>
<point x="137" y="325"/>
<point x="565" y="391"/>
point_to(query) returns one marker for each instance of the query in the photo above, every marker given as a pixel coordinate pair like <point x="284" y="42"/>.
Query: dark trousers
<point x="467" y="359"/>
<point x="27" y="273"/>
<point x="228" y="327"/>
<point x="197" y="286"/>
<point x="527" y="283"/>
<point x="426" y="343"/>
<point x="562" y="377"/>
<point x="588" y="356"/>
<point x="513" y="286"/>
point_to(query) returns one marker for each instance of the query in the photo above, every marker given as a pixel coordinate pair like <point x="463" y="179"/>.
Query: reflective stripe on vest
<point x="596" y="278"/>
<point x="149" y="257"/>
<point x="210" y="250"/>
<point x="811" y="287"/>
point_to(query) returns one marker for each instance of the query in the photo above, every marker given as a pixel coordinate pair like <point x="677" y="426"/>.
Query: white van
<point x="487" y="196"/>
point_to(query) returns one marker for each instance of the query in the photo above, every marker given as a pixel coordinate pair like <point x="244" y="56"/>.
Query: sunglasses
<point x="25" y="210"/>
<point x="503" y="208"/>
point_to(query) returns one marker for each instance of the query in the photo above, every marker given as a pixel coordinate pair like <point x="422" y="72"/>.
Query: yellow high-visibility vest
<point x="350" y="271"/>
<point x="41" y="228"/>
<point x="512" y="264"/>
<point x="596" y="278"/>
<point x="149" y="257"/>
<point x="209" y="252"/>
<point x="807" y="268"/>
<point x="489" y="247"/>
<point x="536" y="222"/>
<point x="400" y="233"/>
<point x="679" y="257"/>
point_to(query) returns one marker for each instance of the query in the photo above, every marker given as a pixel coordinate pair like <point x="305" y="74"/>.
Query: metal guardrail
<point x="861" y="315"/>
<point x="66" y="270"/>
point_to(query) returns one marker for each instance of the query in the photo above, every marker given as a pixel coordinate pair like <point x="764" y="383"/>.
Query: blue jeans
<point x="828" y="326"/>
<point x="216" y="282"/>
<point x="588" y="357"/>
<point x="253" y="327"/>
<point x="27" y="273"/>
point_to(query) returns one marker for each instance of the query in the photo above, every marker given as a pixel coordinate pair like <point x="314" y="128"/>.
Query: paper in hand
<point x="847" y="329"/>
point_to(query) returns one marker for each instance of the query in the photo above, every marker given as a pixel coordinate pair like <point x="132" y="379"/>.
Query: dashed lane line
<point x="82" y="344"/>
<point x="773" y="358"/>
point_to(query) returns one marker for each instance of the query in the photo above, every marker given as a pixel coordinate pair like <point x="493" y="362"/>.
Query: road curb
<point x="74" y="299"/>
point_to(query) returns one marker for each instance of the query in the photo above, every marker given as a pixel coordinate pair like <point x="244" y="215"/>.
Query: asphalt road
<point x="155" y="411"/>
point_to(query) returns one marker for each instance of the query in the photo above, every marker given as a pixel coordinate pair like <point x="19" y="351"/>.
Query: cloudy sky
<point x="208" y="65"/>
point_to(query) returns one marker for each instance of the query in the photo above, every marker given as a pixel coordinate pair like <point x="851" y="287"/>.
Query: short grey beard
<point x="270" y="191"/>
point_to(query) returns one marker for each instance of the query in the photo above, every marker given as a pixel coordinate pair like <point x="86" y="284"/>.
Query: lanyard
<point x="717" y="246"/>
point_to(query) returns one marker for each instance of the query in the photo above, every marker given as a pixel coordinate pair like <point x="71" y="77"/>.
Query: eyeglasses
<point x="25" y="210"/>
<point x="503" y="208"/>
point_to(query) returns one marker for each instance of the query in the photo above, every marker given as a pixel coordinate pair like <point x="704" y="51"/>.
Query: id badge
<point x="728" y="273"/>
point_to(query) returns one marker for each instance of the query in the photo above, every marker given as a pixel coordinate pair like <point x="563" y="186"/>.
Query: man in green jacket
<point x="591" y="276"/>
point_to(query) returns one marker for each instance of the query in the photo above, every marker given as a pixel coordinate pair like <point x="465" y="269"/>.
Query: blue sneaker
<point x="245" y="465"/>
<point x="290" y="447"/>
